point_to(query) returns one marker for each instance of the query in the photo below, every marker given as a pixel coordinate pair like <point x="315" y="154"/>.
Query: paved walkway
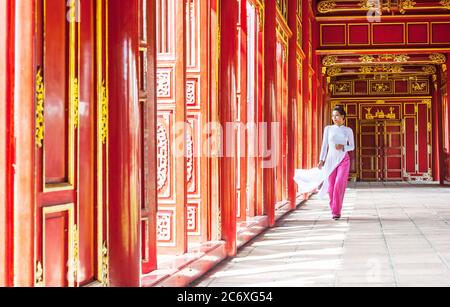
<point x="390" y="235"/>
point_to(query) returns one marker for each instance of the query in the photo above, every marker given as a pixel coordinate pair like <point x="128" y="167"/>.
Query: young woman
<point x="334" y="166"/>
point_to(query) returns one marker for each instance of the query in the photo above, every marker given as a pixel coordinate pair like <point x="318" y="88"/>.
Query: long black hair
<point x="341" y="111"/>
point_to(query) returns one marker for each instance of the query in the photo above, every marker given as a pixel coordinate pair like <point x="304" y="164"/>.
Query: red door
<point x="66" y="212"/>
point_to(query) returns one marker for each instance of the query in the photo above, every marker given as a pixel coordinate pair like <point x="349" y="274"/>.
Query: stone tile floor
<point x="391" y="235"/>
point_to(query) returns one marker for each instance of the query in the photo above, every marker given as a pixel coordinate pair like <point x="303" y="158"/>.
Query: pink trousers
<point x="338" y="181"/>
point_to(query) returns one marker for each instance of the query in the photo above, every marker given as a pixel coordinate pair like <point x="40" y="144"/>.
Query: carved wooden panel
<point x="171" y="92"/>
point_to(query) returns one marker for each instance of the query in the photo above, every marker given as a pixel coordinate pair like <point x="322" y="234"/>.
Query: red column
<point x="270" y="102"/>
<point x="440" y="129"/>
<point x="6" y="116"/>
<point x="305" y="79"/>
<point x="24" y="144"/>
<point x="227" y="104"/>
<point x="151" y="130"/>
<point x="124" y="230"/>
<point x="292" y="101"/>
<point x="435" y="120"/>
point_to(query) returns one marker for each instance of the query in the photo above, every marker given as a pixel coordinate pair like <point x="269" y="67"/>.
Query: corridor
<point x="395" y="234"/>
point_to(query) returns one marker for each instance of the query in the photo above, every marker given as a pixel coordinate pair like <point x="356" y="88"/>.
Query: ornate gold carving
<point x="401" y="58"/>
<point x="343" y="87"/>
<point x="380" y="87"/>
<point x="104" y="121"/>
<point x="40" y="96"/>
<point x="39" y="275"/>
<point x="333" y="71"/>
<point x="366" y="69"/>
<point x="105" y="265"/>
<point x="75" y="252"/>
<point x="419" y="87"/>
<point x="429" y="69"/>
<point x="380" y="114"/>
<point x="445" y="3"/>
<point x="405" y="5"/>
<point x="76" y="101"/>
<point x="367" y="59"/>
<point x="387" y="57"/>
<point x="326" y="6"/>
<point x="329" y="60"/>
<point x="438" y="58"/>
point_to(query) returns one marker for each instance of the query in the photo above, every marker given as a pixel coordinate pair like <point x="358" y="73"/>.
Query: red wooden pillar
<point x="24" y="143"/>
<point x="124" y="230"/>
<point x="292" y="101"/>
<point x="151" y="122"/>
<point x="6" y="116"/>
<point x="438" y="114"/>
<point x="227" y="104"/>
<point x="436" y="131"/>
<point x="270" y="102"/>
<point x="305" y="79"/>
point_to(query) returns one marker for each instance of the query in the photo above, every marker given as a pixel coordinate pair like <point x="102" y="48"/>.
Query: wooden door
<point x="391" y="150"/>
<point x="67" y="246"/>
<point x="369" y="147"/>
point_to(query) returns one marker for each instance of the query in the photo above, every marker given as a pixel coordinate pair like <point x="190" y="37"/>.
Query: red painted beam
<point x="124" y="232"/>
<point x="227" y="102"/>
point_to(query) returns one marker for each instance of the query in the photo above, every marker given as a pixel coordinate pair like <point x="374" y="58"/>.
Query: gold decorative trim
<point x="39" y="275"/>
<point x="445" y="3"/>
<point x="326" y="7"/>
<point x="405" y="5"/>
<point x="104" y="123"/>
<point x="329" y="60"/>
<point x="105" y="265"/>
<point x="429" y="69"/>
<point x="438" y="58"/>
<point x="334" y="71"/>
<point x="76" y="102"/>
<point x="40" y="96"/>
<point x="367" y="59"/>
<point x="75" y="252"/>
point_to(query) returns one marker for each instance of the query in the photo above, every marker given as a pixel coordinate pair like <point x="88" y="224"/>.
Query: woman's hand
<point x="321" y="164"/>
<point x="340" y="147"/>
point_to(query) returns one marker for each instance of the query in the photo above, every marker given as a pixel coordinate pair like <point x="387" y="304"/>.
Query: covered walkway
<point x="391" y="235"/>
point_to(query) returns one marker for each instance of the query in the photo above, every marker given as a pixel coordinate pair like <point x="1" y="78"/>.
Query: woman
<point x="334" y="166"/>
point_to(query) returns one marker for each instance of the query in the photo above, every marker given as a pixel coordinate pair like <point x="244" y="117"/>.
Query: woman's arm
<point x="323" y="153"/>
<point x="351" y="141"/>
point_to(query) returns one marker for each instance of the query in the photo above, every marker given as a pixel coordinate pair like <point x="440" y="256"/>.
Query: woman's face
<point x="338" y="119"/>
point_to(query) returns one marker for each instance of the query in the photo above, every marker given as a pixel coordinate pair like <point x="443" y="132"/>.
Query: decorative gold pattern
<point x="401" y="58"/>
<point x="380" y="114"/>
<point x="405" y="5"/>
<point x="438" y="58"/>
<point x="366" y="69"/>
<point x="429" y="69"/>
<point x="40" y="96"/>
<point x="326" y="6"/>
<point x="333" y="71"/>
<point x="76" y="101"/>
<point x="105" y="265"/>
<point x="445" y="3"/>
<point x="329" y="60"/>
<point x="75" y="253"/>
<point x="380" y="88"/>
<point x="104" y="123"/>
<point x="39" y="275"/>
<point x="367" y="59"/>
